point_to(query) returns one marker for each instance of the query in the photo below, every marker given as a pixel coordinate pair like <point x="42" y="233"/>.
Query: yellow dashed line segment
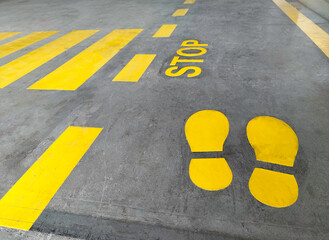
<point x="23" y="42"/>
<point x="133" y="71"/>
<point x="180" y="12"/>
<point x="165" y="31"/>
<point x="26" y="200"/>
<point x="5" y="35"/>
<point x="16" y="69"/>
<point x="80" y="68"/>
<point x="189" y="2"/>
<point x="313" y="31"/>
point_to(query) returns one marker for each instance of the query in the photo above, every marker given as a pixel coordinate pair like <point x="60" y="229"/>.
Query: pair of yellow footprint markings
<point x="273" y="140"/>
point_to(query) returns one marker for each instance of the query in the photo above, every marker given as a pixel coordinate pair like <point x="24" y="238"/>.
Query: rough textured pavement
<point x="133" y="182"/>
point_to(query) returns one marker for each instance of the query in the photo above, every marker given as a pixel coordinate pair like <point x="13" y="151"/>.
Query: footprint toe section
<point x="206" y="131"/>
<point x="273" y="140"/>
<point x="210" y="174"/>
<point x="272" y="188"/>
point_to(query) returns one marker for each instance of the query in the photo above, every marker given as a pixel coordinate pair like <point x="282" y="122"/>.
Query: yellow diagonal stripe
<point x="23" y="42"/>
<point x="26" y="200"/>
<point x="189" y="1"/>
<point x="76" y="71"/>
<point x="4" y="35"/>
<point x="313" y="31"/>
<point x="16" y="69"/>
<point x="165" y="31"/>
<point x="180" y="12"/>
<point x="133" y="71"/>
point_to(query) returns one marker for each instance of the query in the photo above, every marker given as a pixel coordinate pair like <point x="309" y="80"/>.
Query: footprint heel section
<point x="206" y="131"/>
<point x="275" y="142"/>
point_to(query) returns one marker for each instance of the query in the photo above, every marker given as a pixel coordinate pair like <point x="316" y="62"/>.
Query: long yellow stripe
<point x="165" y="31"/>
<point x="189" y="1"/>
<point x="180" y="12"/>
<point x="16" y="69"/>
<point x="133" y="71"/>
<point x="313" y="31"/>
<point x="23" y="42"/>
<point x="26" y="200"/>
<point x="4" y="35"/>
<point x="76" y="71"/>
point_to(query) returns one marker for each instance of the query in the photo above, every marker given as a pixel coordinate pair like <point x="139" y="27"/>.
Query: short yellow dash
<point x="23" y="42"/>
<point x="76" y="71"/>
<point x="135" y="68"/>
<point x="180" y="12"/>
<point x="189" y="2"/>
<point x="165" y="31"/>
<point x="4" y="35"/>
<point x="16" y="69"/>
<point x="313" y="31"/>
<point x="26" y="200"/>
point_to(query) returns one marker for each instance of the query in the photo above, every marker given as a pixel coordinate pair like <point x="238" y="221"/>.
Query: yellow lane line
<point x="189" y="2"/>
<point x="16" y="69"/>
<point x="4" y="35"/>
<point x="165" y="31"/>
<point x="26" y="200"/>
<point x="135" y="68"/>
<point x="79" y="69"/>
<point x="180" y="12"/>
<point x="313" y="31"/>
<point x="23" y="42"/>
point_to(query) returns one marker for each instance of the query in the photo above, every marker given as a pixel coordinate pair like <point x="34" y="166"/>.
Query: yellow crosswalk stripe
<point x="189" y="2"/>
<point x="80" y="68"/>
<point x="165" y="31"/>
<point x="26" y="200"/>
<point x="4" y="35"/>
<point x="313" y="31"/>
<point x="180" y="12"/>
<point x="23" y="42"/>
<point x="16" y="69"/>
<point x="133" y="71"/>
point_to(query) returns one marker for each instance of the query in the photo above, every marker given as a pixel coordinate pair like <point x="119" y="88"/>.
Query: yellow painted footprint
<point x="206" y="131"/>
<point x="274" y="142"/>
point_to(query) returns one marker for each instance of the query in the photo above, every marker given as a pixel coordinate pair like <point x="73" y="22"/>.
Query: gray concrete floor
<point x="133" y="182"/>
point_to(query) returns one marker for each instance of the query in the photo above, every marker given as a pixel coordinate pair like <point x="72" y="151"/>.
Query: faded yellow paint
<point x="26" y="200"/>
<point x="16" y="69"/>
<point x="5" y="35"/>
<point x="165" y="31"/>
<point x="273" y="140"/>
<point x="272" y="188"/>
<point x="206" y="131"/>
<point x="80" y="68"/>
<point x="176" y="59"/>
<point x="189" y="2"/>
<point x="210" y="174"/>
<point x="180" y="12"/>
<point x="313" y="31"/>
<point x="23" y="42"/>
<point x="133" y="71"/>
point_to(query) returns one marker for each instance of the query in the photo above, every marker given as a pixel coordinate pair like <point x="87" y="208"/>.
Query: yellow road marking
<point x="165" y="31"/>
<point x="180" y="12"/>
<point x="274" y="141"/>
<point x="206" y="131"/>
<point x="16" y="69"/>
<point x="135" y="68"/>
<point x="26" y="200"/>
<point x="189" y="2"/>
<point x="76" y="71"/>
<point x="211" y="174"/>
<point x="313" y="31"/>
<point x="23" y="42"/>
<point x="4" y="35"/>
